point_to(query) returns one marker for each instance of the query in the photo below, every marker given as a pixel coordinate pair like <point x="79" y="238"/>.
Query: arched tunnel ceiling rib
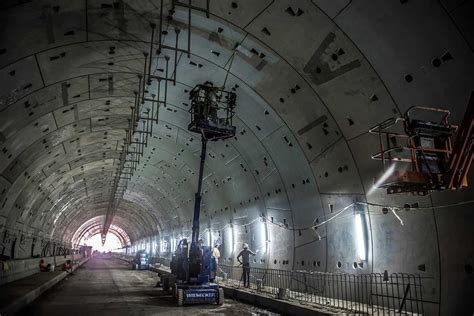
<point x="93" y="226"/>
<point x="311" y="78"/>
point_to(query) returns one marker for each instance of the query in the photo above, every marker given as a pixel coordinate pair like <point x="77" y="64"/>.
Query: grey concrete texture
<point x="311" y="78"/>
<point x="21" y="268"/>
<point x="255" y="298"/>
<point x="110" y="287"/>
<point x="283" y="307"/>
<point x="18" y="294"/>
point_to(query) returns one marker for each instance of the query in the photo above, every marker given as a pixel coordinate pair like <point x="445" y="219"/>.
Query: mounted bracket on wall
<point x="145" y="111"/>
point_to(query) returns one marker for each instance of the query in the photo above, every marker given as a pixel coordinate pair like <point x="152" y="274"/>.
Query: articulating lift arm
<point x="193" y="270"/>
<point x="437" y="163"/>
<point x="198" y="196"/>
<point x="207" y="102"/>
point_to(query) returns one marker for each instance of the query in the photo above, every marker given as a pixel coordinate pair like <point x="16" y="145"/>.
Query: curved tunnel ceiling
<point x="311" y="78"/>
<point x="93" y="226"/>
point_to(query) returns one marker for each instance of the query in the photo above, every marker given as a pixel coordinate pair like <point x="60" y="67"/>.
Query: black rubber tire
<point x="173" y="290"/>
<point x="166" y="284"/>
<point x="220" y="300"/>
<point x="180" y="298"/>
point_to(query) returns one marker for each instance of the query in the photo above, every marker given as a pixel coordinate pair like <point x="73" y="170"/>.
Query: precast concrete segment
<point x="105" y="286"/>
<point x="16" y="295"/>
<point x="311" y="78"/>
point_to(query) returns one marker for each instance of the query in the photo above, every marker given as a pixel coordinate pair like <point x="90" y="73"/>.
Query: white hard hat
<point x="245" y="245"/>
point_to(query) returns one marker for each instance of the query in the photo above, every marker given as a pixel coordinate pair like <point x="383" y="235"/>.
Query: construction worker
<point x="213" y="105"/>
<point x="44" y="267"/>
<point x="67" y="266"/>
<point x="216" y="254"/>
<point x="245" y="262"/>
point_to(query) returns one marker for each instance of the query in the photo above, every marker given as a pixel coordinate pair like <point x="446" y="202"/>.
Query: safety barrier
<point x="163" y="261"/>
<point x="373" y="293"/>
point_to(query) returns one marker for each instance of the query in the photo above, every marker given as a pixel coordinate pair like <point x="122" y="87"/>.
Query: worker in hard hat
<point x="245" y="262"/>
<point x="213" y="106"/>
<point x="216" y="254"/>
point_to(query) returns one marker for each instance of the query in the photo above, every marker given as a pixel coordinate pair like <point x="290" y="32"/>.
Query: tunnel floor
<point x="105" y="286"/>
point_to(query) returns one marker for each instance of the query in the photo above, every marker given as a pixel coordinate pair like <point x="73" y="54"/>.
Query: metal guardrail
<point x="375" y="293"/>
<point x="163" y="261"/>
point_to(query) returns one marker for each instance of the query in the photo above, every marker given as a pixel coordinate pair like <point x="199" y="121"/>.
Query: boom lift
<point x="194" y="268"/>
<point x="435" y="162"/>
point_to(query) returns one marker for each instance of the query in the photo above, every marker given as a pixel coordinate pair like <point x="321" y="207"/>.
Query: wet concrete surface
<point x="109" y="287"/>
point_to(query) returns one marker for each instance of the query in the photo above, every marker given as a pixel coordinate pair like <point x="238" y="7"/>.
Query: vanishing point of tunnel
<point x="251" y="157"/>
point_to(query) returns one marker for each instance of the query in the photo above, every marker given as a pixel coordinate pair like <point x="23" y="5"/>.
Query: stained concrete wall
<point x="311" y="78"/>
<point x="22" y="268"/>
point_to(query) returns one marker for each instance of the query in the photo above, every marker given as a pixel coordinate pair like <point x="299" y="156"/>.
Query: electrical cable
<point x="230" y="61"/>
<point x="421" y="208"/>
<point x="394" y="209"/>
<point x="398" y="217"/>
<point x="228" y="70"/>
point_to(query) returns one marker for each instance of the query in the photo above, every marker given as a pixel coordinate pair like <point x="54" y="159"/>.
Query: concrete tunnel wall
<point x="311" y="78"/>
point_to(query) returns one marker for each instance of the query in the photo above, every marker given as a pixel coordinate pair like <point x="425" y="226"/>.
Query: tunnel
<point x="94" y="115"/>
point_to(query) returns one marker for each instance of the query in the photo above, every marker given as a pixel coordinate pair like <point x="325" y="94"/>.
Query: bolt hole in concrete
<point x="436" y="62"/>
<point x="468" y="268"/>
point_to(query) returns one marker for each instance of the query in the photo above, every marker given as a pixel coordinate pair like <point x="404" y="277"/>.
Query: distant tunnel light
<point x="360" y="237"/>
<point x="112" y="243"/>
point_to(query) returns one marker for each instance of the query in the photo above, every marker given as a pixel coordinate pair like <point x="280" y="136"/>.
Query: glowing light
<point x="209" y="236"/>
<point x="263" y="235"/>
<point x="153" y="247"/>
<point x="230" y="239"/>
<point x="173" y="244"/>
<point x="360" y="237"/>
<point x="382" y="179"/>
<point x="112" y="243"/>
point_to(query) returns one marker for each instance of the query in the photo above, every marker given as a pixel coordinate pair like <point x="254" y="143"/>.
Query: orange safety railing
<point x="427" y="145"/>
